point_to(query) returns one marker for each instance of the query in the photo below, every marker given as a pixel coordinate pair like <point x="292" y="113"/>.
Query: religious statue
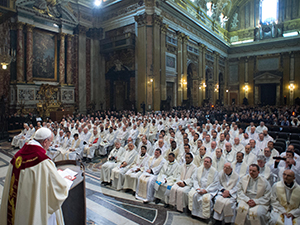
<point x="51" y="8"/>
<point x="235" y="21"/>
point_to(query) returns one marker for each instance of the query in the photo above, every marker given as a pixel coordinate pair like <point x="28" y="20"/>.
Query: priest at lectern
<point x="34" y="191"/>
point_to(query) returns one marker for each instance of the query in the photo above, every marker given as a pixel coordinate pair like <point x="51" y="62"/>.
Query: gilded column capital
<point x="185" y="38"/>
<point x="20" y="25"/>
<point x="69" y="37"/>
<point x="157" y="19"/>
<point x="62" y="36"/>
<point x="141" y="19"/>
<point x="180" y="35"/>
<point x="29" y="27"/>
<point x="164" y="27"/>
<point x="81" y="29"/>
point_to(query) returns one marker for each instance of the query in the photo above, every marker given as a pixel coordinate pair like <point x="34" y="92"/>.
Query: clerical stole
<point x="145" y="177"/>
<point x="28" y="156"/>
<point x="224" y="203"/>
<point x="206" y="197"/>
<point x="243" y="207"/>
<point x="293" y="203"/>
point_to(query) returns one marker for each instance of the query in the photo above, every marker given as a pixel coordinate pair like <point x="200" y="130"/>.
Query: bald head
<point x="288" y="177"/>
<point x="227" y="168"/>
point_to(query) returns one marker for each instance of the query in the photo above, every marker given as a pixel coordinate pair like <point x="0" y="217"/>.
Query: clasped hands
<point x="251" y="203"/>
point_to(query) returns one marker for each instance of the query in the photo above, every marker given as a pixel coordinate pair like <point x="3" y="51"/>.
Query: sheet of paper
<point x="288" y="221"/>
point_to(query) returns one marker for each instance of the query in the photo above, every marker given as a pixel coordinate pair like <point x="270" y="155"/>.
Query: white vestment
<point x="259" y="190"/>
<point x="165" y="180"/>
<point x="179" y="195"/>
<point x="117" y="173"/>
<point x="203" y="179"/>
<point x="285" y="199"/>
<point x="145" y="186"/>
<point x="41" y="192"/>
<point x="224" y="208"/>
<point x="114" y="157"/>
<point x="131" y="176"/>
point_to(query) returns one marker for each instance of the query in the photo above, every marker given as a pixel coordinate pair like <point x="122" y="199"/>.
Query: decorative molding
<point x="141" y="19"/>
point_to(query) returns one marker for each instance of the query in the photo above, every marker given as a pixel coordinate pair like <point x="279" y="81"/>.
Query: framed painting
<point x="44" y="66"/>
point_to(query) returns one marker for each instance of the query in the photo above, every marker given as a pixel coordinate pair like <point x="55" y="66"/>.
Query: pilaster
<point x="163" y="29"/>
<point x="141" y="81"/>
<point x="62" y="59"/>
<point x="20" y="52"/>
<point x="29" y="55"/>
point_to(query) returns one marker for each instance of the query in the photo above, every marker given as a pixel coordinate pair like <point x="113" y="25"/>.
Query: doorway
<point x="268" y="94"/>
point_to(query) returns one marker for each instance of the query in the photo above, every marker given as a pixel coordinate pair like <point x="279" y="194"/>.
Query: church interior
<point x="62" y="57"/>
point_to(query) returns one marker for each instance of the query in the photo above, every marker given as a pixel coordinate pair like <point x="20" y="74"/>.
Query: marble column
<point x="141" y="76"/>
<point x="179" y="69"/>
<point x="20" y="53"/>
<point x="292" y="78"/>
<point x="184" y="64"/>
<point x="226" y="78"/>
<point x="157" y="20"/>
<point x="62" y="59"/>
<point x="97" y="75"/>
<point x="200" y="73"/>
<point x="82" y="67"/>
<point x="246" y="76"/>
<point x="29" y="51"/>
<point x="163" y="29"/>
<point x="69" y="59"/>
<point x="216" y="77"/>
<point x="204" y="47"/>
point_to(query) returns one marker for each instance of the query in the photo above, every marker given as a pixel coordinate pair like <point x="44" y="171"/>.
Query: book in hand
<point x="68" y="175"/>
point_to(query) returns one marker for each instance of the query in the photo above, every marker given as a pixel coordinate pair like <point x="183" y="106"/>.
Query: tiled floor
<point x="107" y="206"/>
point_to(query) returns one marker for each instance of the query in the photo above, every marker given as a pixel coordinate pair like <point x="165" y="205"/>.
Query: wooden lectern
<point x="74" y="207"/>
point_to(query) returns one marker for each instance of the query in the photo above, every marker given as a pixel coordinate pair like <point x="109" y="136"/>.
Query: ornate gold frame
<point x="55" y="60"/>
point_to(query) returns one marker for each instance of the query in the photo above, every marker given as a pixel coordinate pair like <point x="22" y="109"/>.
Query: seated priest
<point x="115" y="156"/>
<point x="218" y="160"/>
<point x="90" y="148"/>
<point x="144" y="142"/>
<point x="145" y="186"/>
<point x="75" y="149"/>
<point x="286" y="162"/>
<point x="240" y="167"/>
<point x="173" y="149"/>
<point x="265" y="170"/>
<point x="166" y="179"/>
<point x="199" y="159"/>
<point x="225" y="201"/>
<point x="183" y="184"/>
<point x="15" y="140"/>
<point x="205" y="187"/>
<point x="285" y="200"/>
<point x="117" y="173"/>
<point x="67" y="142"/>
<point x="249" y="157"/>
<point x="107" y="143"/>
<point x="27" y="137"/>
<point x="253" y="197"/>
<point x="136" y="169"/>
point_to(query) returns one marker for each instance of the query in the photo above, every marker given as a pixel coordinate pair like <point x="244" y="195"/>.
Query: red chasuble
<point x="28" y="156"/>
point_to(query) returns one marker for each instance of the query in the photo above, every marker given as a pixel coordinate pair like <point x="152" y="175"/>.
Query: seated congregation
<point x="216" y="172"/>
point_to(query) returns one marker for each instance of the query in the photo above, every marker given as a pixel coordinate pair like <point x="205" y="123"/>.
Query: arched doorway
<point x="119" y="85"/>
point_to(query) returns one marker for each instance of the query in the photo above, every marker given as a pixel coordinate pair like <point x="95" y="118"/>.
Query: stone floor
<point x="107" y="206"/>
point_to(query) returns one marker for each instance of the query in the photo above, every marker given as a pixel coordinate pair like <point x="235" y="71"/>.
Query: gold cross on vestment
<point x="253" y="215"/>
<point x="243" y="209"/>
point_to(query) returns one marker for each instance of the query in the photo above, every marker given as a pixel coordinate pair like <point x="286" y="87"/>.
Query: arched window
<point x="268" y="11"/>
